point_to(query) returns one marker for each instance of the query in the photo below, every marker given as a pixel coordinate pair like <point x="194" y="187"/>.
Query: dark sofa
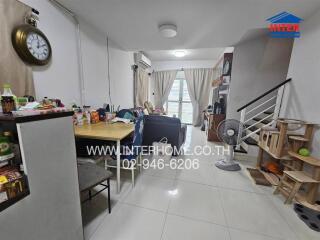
<point x="157" y="127"/>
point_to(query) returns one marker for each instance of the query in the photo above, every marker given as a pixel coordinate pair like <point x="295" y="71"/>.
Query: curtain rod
<point x="181" y="69"/>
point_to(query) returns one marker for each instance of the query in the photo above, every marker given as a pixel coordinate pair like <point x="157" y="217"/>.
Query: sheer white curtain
<point x="199" y="85"/>
<point x="163" y="81"/>
<point x="141" y="87"/>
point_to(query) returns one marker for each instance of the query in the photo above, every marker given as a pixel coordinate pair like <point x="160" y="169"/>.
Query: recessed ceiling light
<point x="168" y="30"/>
<point x="179" y="53"/>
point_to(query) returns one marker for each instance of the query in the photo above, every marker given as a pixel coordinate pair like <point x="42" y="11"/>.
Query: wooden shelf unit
<point x="213" y="122"/>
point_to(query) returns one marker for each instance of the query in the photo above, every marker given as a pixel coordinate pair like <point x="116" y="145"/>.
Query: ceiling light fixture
<point x="179" y="53"/>
<point x="168" y="30"/>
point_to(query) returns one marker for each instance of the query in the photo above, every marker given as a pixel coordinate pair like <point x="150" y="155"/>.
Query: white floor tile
<point x="241" y="235"/>
<point x="160" y="171"/>
<point x="131" y="223"/>
<point x="197" y="201"/>
<point x="179" y="228"/>
<point x="94" y="211"/>
<point x="254" y="213"/>
<point x="207" y="203"/>
<point x="299" y="227"/>
<point x="151" y="192"/>
<point x="238" y="180"/>
<point x="205" y="174"/>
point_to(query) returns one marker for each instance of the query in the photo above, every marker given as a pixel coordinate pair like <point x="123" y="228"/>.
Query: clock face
<point x="38" y="46"/>
<point x="31" y="45"/>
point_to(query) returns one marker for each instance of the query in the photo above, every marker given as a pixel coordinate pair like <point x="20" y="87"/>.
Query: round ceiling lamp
<point x="179" y="53"/>
<point x="168" y="30"/>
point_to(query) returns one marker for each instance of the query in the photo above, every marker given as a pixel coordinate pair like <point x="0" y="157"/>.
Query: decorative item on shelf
<point x="217" y="82"/>
<point x="272" y="167"/>
<point x="30" y="43"/>
<point x="227" y="64"/>
<point x="22" y="101"/>
<point x="8" y="100"/>
<point x="304" y="152"/>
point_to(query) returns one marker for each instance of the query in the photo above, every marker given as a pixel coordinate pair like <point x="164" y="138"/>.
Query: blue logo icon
<point x="284" y="25"/>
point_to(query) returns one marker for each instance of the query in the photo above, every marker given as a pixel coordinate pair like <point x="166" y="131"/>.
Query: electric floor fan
<point x="230" y="132"/>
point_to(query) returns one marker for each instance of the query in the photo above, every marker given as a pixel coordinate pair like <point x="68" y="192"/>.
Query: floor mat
<point x="308" y="216"/>
<point x="258" y="177"/>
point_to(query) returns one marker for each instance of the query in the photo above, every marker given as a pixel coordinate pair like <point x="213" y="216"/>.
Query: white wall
<point x="60" y="79"/>
<point x="95" y="61"/>
<point x="121" y="76"/>
<point x="302" y="96"/>
<point x="258" y="65"/>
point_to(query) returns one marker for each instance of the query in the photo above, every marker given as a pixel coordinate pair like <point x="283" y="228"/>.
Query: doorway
<point x="179" y="103"/>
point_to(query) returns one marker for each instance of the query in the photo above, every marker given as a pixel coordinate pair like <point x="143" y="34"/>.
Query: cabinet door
<point x="52" y="210"/>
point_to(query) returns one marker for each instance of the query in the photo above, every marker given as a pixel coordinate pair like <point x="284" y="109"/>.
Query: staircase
<point x="261" y="112"/>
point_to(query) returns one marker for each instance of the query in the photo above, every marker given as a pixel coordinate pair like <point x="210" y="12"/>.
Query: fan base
<point x="227" y="166"/>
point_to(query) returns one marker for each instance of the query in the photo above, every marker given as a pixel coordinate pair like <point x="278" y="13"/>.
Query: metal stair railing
<point x="271" y="99"/>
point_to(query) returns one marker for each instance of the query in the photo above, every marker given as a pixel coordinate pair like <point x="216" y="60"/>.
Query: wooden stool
<point x="291" y="183"/>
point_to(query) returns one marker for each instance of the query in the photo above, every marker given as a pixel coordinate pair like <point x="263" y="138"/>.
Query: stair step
<point x="266" y="121"/>
<point x="252" y="128"/>
<point x="251" y="141"/>
<point x="241" y="150"/>
<point x="268" y="112"/>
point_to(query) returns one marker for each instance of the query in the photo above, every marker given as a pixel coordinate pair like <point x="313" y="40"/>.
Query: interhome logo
<point x="284" y="25"/>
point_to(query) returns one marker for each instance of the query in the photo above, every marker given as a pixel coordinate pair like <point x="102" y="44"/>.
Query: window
<point x="179" y="103"/>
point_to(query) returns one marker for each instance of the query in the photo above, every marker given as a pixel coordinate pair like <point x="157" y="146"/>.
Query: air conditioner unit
<point x="142" y="60"/>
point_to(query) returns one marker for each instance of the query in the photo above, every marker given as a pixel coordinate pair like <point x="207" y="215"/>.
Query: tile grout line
<point x="98" y="226"/>
<point x="166" y="214"/>
<point x="275" y="206"/>
<point x="257" y="233"/>
<point x="224" y="212"/>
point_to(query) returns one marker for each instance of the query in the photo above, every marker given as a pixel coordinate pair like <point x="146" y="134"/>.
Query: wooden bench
<point x="91" y="175"/>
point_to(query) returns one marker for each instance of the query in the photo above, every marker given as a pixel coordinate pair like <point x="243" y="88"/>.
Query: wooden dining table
<point x="106" y="131"/>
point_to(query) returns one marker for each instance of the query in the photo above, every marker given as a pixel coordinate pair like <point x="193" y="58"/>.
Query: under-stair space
<point x="260" y="112"/>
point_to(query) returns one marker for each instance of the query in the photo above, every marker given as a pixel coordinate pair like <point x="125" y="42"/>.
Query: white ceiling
<point x="191" y="54"/>
<point x="133" y="24"/>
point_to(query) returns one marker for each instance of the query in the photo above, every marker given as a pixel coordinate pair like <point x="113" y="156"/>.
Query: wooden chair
<point x="291" y="183"/>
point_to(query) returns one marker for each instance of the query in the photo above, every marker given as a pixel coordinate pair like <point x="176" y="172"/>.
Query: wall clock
<point x="31" y="44"/>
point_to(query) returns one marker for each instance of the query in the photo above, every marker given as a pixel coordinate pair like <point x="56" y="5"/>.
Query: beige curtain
<point x="199" y="85"/>
<point x="12" y="69"/>
<point x="141" y="85"/>
<point x="163" y="82"/>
